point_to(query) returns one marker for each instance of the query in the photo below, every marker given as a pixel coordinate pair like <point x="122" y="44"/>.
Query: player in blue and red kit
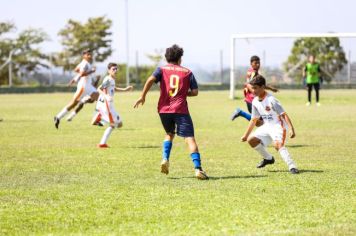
<point x="176" y="83"/>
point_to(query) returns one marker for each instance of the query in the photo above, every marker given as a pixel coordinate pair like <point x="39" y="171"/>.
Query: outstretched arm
<point x="145" y="90"/>
<point x="128" y="88"/>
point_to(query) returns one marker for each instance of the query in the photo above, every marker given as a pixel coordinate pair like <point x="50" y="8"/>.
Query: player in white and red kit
<point x="274" y="128"/>
<point x="176" y="83"/>
<point x="85" y="89"/>
<point x="105" y="110"/>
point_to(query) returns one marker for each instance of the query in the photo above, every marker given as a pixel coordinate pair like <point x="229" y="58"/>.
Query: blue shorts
<point x="181" y="122"/>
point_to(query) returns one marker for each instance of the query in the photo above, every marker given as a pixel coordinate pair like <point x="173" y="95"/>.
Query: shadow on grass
<point x="300" y="145"/>
<point x="224" y="177"/>
<point x="146" y="146"/>
<point x="300" y="171"/>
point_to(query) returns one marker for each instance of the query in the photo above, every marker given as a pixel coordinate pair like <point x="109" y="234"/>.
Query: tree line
<point x="28" y="59"/>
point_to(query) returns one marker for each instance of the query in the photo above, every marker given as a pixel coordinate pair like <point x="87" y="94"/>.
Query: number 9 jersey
<point x="175" y="82"/>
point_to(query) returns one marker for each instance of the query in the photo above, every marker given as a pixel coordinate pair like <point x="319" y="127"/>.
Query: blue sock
<point x="167" y="146"/>
<point x="196" y="160"/>
<point x="246" y="115"/>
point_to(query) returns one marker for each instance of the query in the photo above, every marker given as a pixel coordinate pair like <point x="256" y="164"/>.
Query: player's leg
<point x="169" y="126"/>
<point x="317" y="88"/>
<point x="76" y="98"/>
<point x="239" y="112"/>
<point x="279" y="134"/>
<point x="310" y="87"/>
<point x="64" y="111"/>
<point x="185" y="129"/>
<point x="115" y="122"/>
<point x="86" y="99"/>
<point x="259" y="140"/>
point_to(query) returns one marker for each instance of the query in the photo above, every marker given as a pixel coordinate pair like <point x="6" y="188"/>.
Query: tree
<point x="328" y="51"/>
<point x="77" y="37"/>
<point x="27" y="58"/>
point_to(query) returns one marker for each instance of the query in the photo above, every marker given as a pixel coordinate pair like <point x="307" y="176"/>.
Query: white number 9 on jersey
<point x="174" y="85"/>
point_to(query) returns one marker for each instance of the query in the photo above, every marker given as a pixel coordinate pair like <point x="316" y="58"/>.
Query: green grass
<point x="57" y="182"/>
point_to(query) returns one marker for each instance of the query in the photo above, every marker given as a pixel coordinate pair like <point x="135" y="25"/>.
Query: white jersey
<point x="273" y="128"/>
<point x="108" y="86"/>
<point x="269" y="109"/>
<point x="105" y="109"/>
<point x="85" y="83"/>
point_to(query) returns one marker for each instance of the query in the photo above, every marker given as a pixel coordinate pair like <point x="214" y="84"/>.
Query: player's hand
<point x="291" y="133"/>
<point x="140" y="100"/>
<point x="129" y="88"/>
<point x="244" y="138"/>
<point x="93" y="69"/>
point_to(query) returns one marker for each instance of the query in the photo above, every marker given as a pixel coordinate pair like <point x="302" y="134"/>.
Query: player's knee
<point x="253" y="141"/>
<point x="169" y="136"/>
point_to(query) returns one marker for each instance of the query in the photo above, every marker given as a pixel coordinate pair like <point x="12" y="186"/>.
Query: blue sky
<point x="202" y="27"/>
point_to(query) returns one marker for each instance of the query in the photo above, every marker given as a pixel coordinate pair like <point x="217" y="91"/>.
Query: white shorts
<point x="105" y="112"/>
<point x="84" y="88"/>
<point x="271" y="133"/>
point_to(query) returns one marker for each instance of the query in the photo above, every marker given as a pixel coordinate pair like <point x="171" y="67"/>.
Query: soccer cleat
<point x="235" y="114"/>
<point x="165" y="166"/>
<point x="98" y="124"/>
<point x="294" y="171"/>
<point x="307" y="104"/>
<point x="102" y="145"/>
<point x="265" y="162"/>
<point x="318" y="104"/>
<point x="56" y="122"/>
<point x="200" y="174"/>
<point x="96" y="120"/>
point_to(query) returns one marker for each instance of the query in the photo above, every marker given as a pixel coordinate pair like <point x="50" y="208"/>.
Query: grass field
<point x="57" y="182"/>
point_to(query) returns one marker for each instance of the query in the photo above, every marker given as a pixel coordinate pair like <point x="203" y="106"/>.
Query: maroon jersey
<point x="251" y="73"/>
<point x="175" y="82"/>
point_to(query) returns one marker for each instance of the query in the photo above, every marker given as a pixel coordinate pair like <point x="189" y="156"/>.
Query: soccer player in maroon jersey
<point x="251" y="73"/>
<point x="176" y="83"/>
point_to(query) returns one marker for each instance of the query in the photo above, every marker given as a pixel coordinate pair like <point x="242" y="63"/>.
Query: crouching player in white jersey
<point x="105" y="111"/>
<point x="273" y="129"/>
<point x="86" y="92"/>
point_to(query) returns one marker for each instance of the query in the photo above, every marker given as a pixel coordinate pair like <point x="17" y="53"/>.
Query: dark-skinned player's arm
<point x="145" y="90"/>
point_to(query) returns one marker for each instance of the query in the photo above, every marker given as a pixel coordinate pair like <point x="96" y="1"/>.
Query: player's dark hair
<point x="260" y="81"/>
<point x="254" y="58"/>
<point x="86" y="51"/>
<point x="174" y="53"/>
<point x="111" y="64"/>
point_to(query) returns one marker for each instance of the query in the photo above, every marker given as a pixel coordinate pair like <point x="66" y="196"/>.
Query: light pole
<point x="10" y="68"/>
<point x="127" y="43"/>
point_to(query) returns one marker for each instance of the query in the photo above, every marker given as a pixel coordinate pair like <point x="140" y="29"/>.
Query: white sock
<point x="85" y="99"/>
<point x="71" y="115"/>
<point x="263" y="151"/>
<point x="62" y="113"/>
<point x="106" y="135"/>
<point x="287" y="158"/>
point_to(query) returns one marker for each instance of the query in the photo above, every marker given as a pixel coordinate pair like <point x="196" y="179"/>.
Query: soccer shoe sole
<point x="165" y="167"/>
<point x="201" y="175"/>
